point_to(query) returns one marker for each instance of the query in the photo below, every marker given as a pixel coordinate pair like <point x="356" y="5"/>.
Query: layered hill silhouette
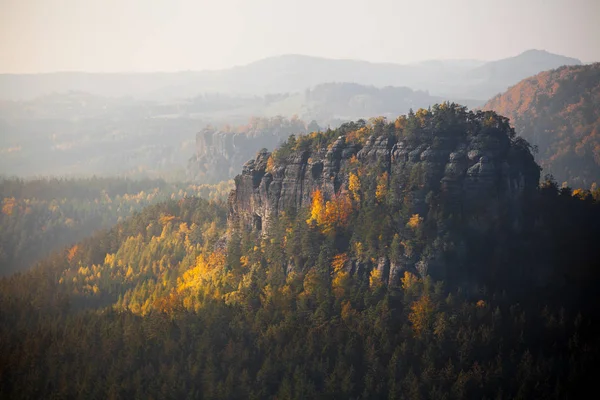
<point x="294" y="73"/>
<point x="80" y="133"/>
<point x="143" y="124"/>
<point x="559" y="112"/>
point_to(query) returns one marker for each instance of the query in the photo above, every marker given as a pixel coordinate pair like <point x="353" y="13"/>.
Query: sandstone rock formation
<point x="220" y="154"/>
<point x="472" y="177"/>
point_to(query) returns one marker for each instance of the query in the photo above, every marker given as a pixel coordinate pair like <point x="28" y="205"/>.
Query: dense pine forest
<point x="410" y="259"/>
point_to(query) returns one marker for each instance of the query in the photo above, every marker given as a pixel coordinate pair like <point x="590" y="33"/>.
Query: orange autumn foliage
<point x="72" y="253"/>
<point x="558" y="111"/>
<point x="421" y="315"/>
<point x="339" y="262"/>
<point x="9" y="205"/>
<point x="317" y="208"/>
<point x="414" y="221"/>
<point x="332" y="214"/>
<point x="337" y="213"/>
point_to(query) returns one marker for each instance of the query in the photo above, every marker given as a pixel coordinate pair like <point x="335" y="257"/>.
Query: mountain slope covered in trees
<point x="286" y="293"/>
<point x="41" y="216"/>
<point x="559" y="112"/>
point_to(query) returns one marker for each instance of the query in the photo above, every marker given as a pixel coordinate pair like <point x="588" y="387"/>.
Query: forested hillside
<point x="559" y="112"/>
<point x="416" y="258"/>
<point x="44" y="215"/>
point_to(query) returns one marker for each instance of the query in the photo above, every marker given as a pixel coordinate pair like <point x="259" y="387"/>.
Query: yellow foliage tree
<point x="422" y="115"/>
<point x="354" y="186"/>
<point x="183" y="228"/>
<point x="339" y="283"/>
<point x="375" y="280"/>
<point x="414" y="222"/>
<point x="317" y="210"/>
<point x="331" y="214"/>
<point x="409" y="280"/>
<point x="337" y="213"/>
<point x="72" y="253"/>
<point x="168" y="304"/>
<point x="8" y="205"/>
<point x="270" y="164"/>
<point x="421" y="315"/>
<point x="400" y="122"/>
<point x="358" y="136"/>
<point x="166" y="218"/>
<point x="339" y="262"/>
<point x="204" y="275"/>
<point x="341" y="278"/>
<point x="582" y="194"/>
<point x="382" y="187"/>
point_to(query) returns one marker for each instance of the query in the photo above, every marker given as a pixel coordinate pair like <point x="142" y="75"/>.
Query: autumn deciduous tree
<point x="317" y="208"/>
<point x="72" y="253"/>
<point x="400" y="123"/>
<point x="337" y="213"/>
<point x="375" y="279"/>
<point x="382" y="187"/>
<point x="414" y="222"/>
<point x="339" y="262"/>
<point x="409" y="280"/>
<point x="270" y="164"/>
<point x="354" y="186"/>
<point x="340" y="282"/>
<point x="204" y="276"/>
<point x="8" y="205"/>
<point x="421" y="315"/>
<point x="331" y="214"/>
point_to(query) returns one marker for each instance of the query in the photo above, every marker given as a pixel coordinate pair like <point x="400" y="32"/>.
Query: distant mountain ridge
<point x="504" y="73"/>
<point x="294" y="73"/>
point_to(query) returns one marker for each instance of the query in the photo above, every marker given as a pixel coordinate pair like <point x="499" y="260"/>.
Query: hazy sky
<point x="161" y="35"/>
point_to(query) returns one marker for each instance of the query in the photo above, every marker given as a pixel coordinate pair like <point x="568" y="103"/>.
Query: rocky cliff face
<point x="220" y="154"/>
<point x="466" y="174"/>
<point x="479" y="179"/>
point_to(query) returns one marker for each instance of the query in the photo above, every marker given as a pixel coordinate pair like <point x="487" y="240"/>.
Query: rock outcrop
<point x="477" y="178"/>
<point x="467" y="174"/>
<point x="220" y="154"/>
